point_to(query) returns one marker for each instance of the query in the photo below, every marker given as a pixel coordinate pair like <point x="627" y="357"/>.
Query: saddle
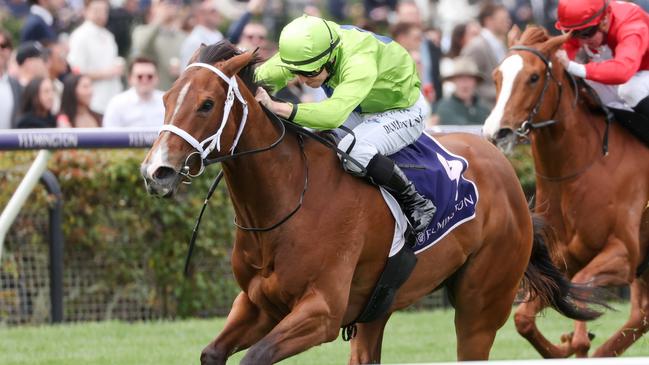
<point x="636" y="123"/>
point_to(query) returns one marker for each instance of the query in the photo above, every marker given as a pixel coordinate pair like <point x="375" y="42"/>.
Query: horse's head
<point x="528" y="85"/>
<point x="205" y="112"/>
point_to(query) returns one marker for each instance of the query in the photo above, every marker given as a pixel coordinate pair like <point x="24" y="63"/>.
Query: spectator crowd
<point x="107" y="63"/>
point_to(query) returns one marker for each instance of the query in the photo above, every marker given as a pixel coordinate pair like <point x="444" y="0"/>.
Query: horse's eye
<point x="206" y="106"/>
<point x="534" y="78"/>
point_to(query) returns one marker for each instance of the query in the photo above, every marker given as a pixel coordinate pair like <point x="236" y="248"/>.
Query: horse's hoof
<point x="566" y="338"/>
<point x="564" y="348"/>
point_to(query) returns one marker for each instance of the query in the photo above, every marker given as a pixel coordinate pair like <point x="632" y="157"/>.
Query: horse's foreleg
<point x="366" y="346"/>
<point x="612" y="267"/>
<point x="313" y="321"/>
<point x="481" y="309"/>
<point x="245" y="325"/>
<point x="525" y="321"/>
<point x="636" y="325"/>
<point x="476" y="327"/>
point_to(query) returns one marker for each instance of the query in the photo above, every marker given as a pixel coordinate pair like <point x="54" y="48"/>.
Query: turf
<point x="410" y="337"/>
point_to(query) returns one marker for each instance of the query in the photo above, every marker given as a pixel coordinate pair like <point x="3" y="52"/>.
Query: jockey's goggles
<point x="585" y="33"/>
<point x="308" y="73"/>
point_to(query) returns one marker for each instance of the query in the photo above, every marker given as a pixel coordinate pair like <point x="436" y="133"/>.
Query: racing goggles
<point x="585" y="33"/>
<point x="308" y="73"/>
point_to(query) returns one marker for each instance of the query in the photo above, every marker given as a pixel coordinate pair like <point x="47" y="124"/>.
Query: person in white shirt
<point x="93" y="52"/>
<point x="140" y="106"/>
<point x="205" y="31"/>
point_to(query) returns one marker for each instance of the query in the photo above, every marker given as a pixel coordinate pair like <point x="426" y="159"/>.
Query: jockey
<point x="614" y="36"/>
<point x="373" y="88"/>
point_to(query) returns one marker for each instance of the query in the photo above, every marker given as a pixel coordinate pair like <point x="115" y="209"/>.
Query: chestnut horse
<point x="596" y="201"/>
<point x="314" y="271"/>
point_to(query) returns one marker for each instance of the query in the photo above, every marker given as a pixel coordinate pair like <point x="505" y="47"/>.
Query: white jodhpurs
<point x="624" y="96"/>
<point x="385" y="133"/>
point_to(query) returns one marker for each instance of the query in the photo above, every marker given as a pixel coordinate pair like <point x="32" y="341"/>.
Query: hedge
<point x="110" y="221"/>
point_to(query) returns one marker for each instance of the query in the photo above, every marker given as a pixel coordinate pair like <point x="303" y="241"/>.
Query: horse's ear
<point x="236" y="63"/>
<point x="553" y="44"/>
<point x="513" y="36"/>
<point x="197" y="53"/>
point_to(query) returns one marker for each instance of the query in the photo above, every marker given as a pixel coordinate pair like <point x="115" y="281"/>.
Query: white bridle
<point x="215" y="139"/>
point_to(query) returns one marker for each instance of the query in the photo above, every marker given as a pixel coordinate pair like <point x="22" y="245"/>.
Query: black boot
<point x="643" y="107"/>
<point x="419" y="210"/>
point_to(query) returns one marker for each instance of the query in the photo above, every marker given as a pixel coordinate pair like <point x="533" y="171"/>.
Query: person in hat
<point x="373" y="87"/>
<point x="613" y="37"/>
<point x="463" y="106"/>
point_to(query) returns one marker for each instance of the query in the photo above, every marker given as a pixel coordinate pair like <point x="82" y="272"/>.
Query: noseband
<point x="528" y="125"/>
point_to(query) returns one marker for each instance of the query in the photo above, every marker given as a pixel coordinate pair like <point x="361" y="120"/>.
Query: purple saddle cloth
<point x="439" y="175"/>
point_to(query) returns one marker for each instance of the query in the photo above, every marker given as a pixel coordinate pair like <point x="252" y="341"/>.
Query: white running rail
<point x="25" y="188"/>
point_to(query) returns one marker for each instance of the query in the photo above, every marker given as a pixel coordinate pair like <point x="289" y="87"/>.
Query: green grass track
<point x="411" y="337"/>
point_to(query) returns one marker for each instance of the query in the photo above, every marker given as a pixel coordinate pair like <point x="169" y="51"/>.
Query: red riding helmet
<point x="580" y="14"/>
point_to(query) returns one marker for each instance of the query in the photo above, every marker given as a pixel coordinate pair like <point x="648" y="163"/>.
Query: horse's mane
<point x="533" y="35"/>
<point x="224" y="50"/>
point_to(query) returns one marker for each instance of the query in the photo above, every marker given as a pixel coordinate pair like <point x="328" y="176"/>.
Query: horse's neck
<point x="570" y="144"/>
<point x="264" y="185"/>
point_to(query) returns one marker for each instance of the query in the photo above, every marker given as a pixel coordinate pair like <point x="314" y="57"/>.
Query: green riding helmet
<point x="307" y="43"/>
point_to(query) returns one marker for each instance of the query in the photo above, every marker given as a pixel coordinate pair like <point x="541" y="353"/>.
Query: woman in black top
<point x="36" y="105"/>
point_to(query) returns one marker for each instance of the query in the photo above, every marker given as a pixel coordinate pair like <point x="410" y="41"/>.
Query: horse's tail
<point x="544" y="280"/>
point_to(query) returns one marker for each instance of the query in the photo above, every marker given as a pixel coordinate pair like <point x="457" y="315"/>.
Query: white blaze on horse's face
<point x="159" y="156"/>
<point x="509" y="69"/>
<point x="180" y="100"/>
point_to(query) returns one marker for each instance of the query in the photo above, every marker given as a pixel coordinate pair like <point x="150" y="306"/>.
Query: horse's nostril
<point x="163" y="173"/>
<point x="503" y="133"/>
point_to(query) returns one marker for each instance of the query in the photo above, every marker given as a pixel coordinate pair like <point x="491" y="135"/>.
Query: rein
<point x="529" y="126"/>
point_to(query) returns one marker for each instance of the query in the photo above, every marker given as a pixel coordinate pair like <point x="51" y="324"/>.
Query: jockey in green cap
<point x="373" y="88"/>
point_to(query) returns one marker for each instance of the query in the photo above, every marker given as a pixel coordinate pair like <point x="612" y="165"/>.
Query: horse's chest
<point x="268" y="293"/>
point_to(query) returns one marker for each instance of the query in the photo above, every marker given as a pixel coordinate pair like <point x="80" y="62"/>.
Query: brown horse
<point x="594" y="200"/>
<point x="304" y="279"/>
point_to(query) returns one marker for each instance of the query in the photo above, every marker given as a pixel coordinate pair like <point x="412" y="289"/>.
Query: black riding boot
<point x="419" y="210"/>
<point x="643" y="107"/>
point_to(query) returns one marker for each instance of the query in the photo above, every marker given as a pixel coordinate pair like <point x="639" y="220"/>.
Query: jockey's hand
<point x="284" y="110"/>
<point x="574" y="68"/>
<point x="263" y="98"/>
<point x="562" y="56"/>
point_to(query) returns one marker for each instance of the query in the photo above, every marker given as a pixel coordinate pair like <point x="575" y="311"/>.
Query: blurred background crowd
<point x="107" y="63"/>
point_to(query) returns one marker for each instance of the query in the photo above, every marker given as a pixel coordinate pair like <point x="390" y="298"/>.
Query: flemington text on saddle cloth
<point x="442" y="180"/>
